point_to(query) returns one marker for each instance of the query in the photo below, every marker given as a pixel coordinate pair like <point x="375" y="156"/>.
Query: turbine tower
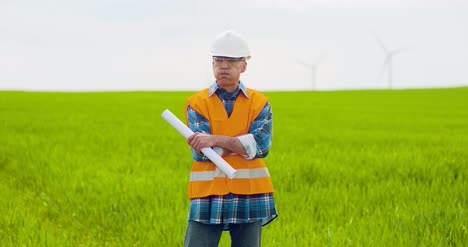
<point x="387" y="65"/>
<point x="313" y="70"/>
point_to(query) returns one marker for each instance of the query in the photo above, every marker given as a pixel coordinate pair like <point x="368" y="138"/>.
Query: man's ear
<point x="244" y="67"/>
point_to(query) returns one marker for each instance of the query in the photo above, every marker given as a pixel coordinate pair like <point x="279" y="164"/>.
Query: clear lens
<point x="228" y="59"/>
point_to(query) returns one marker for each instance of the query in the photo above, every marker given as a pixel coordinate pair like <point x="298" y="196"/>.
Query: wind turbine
<point x="388" y="61"/>
<point x="313" y="70"/>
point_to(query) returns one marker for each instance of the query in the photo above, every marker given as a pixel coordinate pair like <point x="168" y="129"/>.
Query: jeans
<point x="205" y="235"/>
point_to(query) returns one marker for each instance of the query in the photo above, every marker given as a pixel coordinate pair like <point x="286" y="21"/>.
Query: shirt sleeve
<point x="249" y="144"/>
<point x="198" y="123"/>
<point x="262" y="131"/>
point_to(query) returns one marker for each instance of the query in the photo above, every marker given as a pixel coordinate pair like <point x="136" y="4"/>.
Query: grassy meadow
<point x="350" y="168"/>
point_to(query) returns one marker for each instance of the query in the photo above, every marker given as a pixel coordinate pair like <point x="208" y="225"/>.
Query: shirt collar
<point x="214" y="87"/>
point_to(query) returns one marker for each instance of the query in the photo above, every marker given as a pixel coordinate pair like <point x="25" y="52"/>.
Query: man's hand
<point x="201" y="140"/>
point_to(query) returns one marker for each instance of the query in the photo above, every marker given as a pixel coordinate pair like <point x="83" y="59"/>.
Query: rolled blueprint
<point x="210" y="153"/>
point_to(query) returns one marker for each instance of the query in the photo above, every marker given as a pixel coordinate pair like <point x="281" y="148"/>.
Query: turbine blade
<point x="384" y="66"/>
<point x="304" y="64"/>
<point x="381" y="43"/>
<point x="399" y="50"/>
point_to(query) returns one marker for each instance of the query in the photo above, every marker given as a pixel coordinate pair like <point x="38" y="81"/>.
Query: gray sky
<point x="164" y="45"/>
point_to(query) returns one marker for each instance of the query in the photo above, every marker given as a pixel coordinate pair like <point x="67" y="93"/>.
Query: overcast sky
<point x="92" y="45"/>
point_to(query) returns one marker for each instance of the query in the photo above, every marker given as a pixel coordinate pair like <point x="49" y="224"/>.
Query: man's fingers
<point x="192" y="138"/>
<point x="195" y="145"/>
<point x="194" y="141"/>
<point x="198" y="141"/>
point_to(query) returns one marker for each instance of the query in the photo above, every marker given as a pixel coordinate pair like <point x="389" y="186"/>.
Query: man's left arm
<point x="257" y="143"/>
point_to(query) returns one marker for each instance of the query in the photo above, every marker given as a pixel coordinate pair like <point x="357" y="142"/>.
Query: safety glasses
<point x="228" y="59"/>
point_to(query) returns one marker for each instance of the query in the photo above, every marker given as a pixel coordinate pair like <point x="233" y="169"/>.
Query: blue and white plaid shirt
<point x="231" y="208"/>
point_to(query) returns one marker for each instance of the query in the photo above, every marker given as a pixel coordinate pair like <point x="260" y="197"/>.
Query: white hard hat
<point x="230" y="44"/>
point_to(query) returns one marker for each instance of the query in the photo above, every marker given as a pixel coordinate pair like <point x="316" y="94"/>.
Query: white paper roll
<point x="210" y="153"/>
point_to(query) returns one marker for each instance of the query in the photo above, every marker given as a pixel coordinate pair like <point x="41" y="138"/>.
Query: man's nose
<point x="225" y="64"/>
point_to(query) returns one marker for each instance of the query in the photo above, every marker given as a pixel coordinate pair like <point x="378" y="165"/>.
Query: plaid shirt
<point x="231" y="208"/>
<point x="261" y="127"/>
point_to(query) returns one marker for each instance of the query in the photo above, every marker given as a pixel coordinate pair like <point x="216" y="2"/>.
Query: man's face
<point x="227" y="70"/>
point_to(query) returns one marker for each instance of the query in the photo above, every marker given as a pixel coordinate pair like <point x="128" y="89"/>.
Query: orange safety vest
<point x="252" y="175"/>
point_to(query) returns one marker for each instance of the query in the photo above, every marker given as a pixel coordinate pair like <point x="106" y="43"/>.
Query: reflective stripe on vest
<point x="241" y="174"/>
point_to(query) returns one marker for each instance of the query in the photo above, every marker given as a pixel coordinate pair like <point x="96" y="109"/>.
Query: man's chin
<point x="224" y="80"/>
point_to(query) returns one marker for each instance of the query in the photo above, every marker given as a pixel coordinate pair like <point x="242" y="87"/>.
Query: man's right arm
<point x="198" y="124"/>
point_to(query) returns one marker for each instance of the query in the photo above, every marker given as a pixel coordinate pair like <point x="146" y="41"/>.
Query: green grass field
<point x="350" y="168"/>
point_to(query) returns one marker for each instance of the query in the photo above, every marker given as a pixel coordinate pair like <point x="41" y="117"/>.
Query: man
<point x="237" y="123"/>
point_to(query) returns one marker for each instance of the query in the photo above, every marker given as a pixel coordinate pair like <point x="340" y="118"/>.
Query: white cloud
<point x="305" y="5"/>
<point x="87" y="44"/>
